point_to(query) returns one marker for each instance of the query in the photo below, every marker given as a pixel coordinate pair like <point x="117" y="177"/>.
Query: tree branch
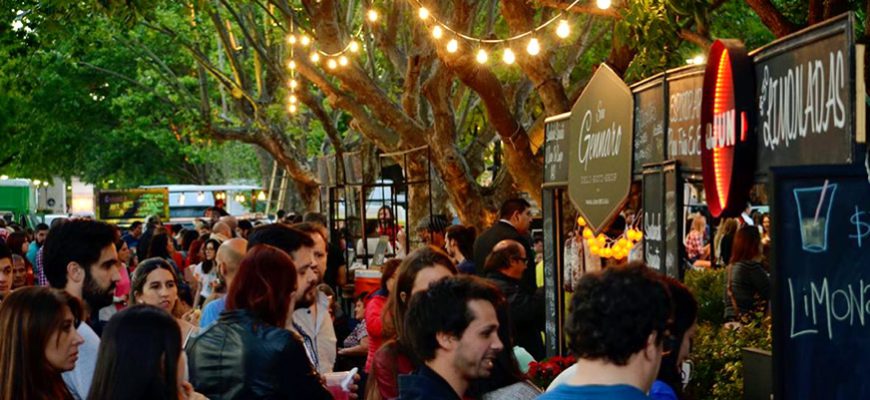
<point x="772" y="18"/>
<point x="580" y="8"/>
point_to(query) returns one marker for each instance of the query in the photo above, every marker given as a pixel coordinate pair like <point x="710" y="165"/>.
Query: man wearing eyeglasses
<point x="504" y="267"/>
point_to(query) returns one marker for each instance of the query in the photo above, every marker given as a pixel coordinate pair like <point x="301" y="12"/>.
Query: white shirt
<point x="204" y="279"/>
<point x="322" y="332"/>
<point x="78" y="381"/>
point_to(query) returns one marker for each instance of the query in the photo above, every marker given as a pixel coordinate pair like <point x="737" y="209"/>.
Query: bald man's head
<point x="229" y="257"/>
<point x="505" y="244"/>
<point x="222" y="229"/>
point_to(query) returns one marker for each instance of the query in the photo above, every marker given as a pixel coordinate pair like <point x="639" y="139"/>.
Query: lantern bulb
<point x="603" y="4"/>
<point x="293" y="99"/>
<point x="423" y="12"/>
<point x="305" y="40"/>
<point x="332" y="64"/>
<point x="293" y="83"/>
<point x="563" y="30"/>
<point x="534" y="47"/>
<point x="509" y="56"/>
<point x="437" y="32"/>
<point x="373" y="15"/>
<point x="315" y="58"/>
<point x="292" y="108"/>
<point x="482" y="56"/>
<point x="291" y="39"/>
<point x="342" y="61"/>
<point x="452" y="46"/>
<point x="354" y="46"/>
<point x="291" y="64"/>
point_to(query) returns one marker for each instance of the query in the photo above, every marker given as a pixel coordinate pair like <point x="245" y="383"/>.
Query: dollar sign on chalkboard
<point x="862" y="228"/>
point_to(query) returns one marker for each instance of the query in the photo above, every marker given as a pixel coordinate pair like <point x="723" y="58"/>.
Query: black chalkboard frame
<point x="779" y="175"/>
<point x="554" y="295"/>
<point x="650" y="171"/>
<point x="671" y="170"/>
<point x="650" y="83"/>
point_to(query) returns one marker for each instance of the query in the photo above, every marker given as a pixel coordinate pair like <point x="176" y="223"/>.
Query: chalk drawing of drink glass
<point x="814" y="209"/>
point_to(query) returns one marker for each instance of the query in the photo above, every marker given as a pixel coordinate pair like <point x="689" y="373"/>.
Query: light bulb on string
<point x="563" y="30"/>
<point x="305" y="40"/>
<point x="372" y="15"/>
<point x="482" y="57"/>
<point x="332" y="64"/>
<point x="291" y="39"/>
<point x="437" y="32"/>
<point x="342" y="61"/>
<point x="353" y="46"/>
<point x="509" y="56"/>
<point x="534" y="47"/>
<point x="423" y="13"/>
<point x="315" y="58"/>
<point x="293" y="99"/>
<point x="603" y="4"/>
<point x="293" y="84"/>
<point x="292" y="108"/>
<point x="452" y="46"/>
<point x="291" y="64"/>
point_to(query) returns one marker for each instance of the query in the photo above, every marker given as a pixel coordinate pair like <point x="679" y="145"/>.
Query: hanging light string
<point x="425" y="14"/>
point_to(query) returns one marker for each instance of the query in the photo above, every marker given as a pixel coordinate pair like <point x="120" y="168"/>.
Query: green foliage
<point x="716" y="355"/>
<point x="708" y="286"/>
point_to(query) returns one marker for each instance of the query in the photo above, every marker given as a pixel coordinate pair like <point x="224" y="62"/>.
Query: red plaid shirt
<point x="694" y="245"/>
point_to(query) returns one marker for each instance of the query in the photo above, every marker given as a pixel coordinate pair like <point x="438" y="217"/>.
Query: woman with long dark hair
<point x="141" y="358"/>
<point x="375" y="307"/>
<point x="422" y="267"/>
<point x="160" y="247"/>
<point x="247" y="353"/>
<point x="38" y="342"/>
<point x="747" y="283"/>
<point x="681" y="330"/>
<point x="205" y="273"/>
<point x="155" y="283"/>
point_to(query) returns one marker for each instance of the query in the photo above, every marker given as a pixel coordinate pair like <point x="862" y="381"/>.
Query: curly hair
<point x="613" y="312"/>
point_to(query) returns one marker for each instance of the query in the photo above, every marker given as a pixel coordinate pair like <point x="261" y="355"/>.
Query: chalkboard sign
<point x="649" y="123"/>
<point x="673" y="221"/>
<point x="556" y="149"/>
<point x="821" y="282"/>
<point x="133" y="204"/>
<point x="552" y="273"/>
<point x="685" y="89"/>
<point x="805" y="84"/>
<point x="653" y="217"/>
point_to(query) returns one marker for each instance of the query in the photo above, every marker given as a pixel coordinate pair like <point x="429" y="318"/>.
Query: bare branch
<point x="580" y="8"/>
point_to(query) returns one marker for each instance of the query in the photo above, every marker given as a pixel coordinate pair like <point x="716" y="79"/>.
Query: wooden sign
<point x="600" y="133"/>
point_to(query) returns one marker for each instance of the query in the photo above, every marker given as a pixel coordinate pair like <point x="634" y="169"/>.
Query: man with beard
<point x="453" y="329"/>
<point x="314" y="322"/>
<point x="79" y="256"/>
<point x="39" y="240"/>
<point x="300" y="247"/>
<point x="6" y="274"/>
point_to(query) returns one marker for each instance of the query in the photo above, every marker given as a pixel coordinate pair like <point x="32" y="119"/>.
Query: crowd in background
<point x="229" y="310"/>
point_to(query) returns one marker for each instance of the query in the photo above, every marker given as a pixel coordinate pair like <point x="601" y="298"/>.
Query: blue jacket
<point x="425" y="384"/>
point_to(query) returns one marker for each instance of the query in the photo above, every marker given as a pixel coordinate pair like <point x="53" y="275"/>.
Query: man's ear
<point x="403" y="296"/>
<point x="75" y="272"/>
<point x="653" y="349"/>
<point x="446" y="341"/>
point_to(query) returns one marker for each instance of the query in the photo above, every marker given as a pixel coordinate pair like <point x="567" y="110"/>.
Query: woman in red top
<point x="374" y="309"/>
<point x="421" y="268"/>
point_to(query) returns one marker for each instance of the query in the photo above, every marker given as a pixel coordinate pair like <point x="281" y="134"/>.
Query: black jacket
<point x="496" y="233"/>
<point x="241" y="357"/>
<point x="425" y="384"/>
<point x="750" y="288"/>
<point x="526" y="313"/>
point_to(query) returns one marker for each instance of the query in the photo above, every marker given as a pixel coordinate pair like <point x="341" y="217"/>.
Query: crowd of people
<point x="229" y="310"/>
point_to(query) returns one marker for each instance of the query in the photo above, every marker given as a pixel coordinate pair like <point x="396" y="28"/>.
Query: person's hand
<point x="192" y="316"/>
<point x="187" y="393"/>
<point x="353" y="387"/>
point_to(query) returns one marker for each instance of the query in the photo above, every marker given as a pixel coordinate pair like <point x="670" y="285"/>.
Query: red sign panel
<point x="728" y="144"/>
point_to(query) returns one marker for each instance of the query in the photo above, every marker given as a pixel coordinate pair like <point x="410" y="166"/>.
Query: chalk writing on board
<point x="814" y="206"/>
<point x="555" y="155"/>
<point x="862" y="228"/>
<point x="652" y="225"/>
<point x="684" y="130"/>
<point x="820" y="307"/>
<point x="804" y="99"/>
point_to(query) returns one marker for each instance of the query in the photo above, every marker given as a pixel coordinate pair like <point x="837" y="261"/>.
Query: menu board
<point x="805" y="86"/>
<point x="821" y="282"/>
<point x="555" y="149"/>
<point x="649" y="123"/>
<point x="133" y="204"/>
<point x="653" y="218"/>
<point x="673" y="206"/>
<point x="552" y="275"/>
<point x="685" y="89"/>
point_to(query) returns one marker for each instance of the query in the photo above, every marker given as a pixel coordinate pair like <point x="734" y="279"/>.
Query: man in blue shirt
<point x="617" y="326"/>
<point x="229" y="257"/>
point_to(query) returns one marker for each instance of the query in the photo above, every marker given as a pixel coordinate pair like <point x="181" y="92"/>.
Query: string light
<point x="603" y="4"/>
<point x="332" y="64"/>
<point x="452" y="46"/>
<point x="293" y="99"/>
<point x="437" y="32"/>
<point x="372" y="15"/>
<point x="292" y="108"/>
<point x="342" y="61"/>
<point x="509" y="56"/>
<point x="534" y="47"/>
<point x="291" y="64"/>
<point x="315" y="57"/>
<point x="305" y="40"/>
<point x="353" y="46"/>
<point x="563" y="30"/>
<point x="293" y="84"/>
<point x="482" y="56"/>
<point x="291" y="39"/>
<point x="605" y="247"/>
<point x="423" y="13"/>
